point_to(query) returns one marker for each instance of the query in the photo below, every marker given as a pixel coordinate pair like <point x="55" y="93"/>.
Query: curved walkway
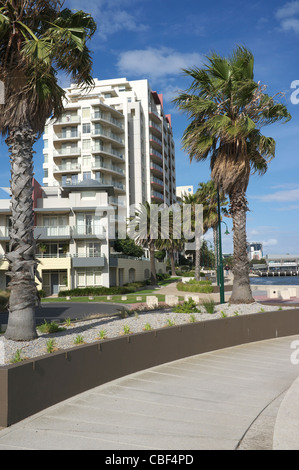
<point x="225" y="399"/>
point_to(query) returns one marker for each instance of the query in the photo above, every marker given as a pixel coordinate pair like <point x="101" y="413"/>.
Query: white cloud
<point x="289" y="9"/>
<point x="156" y="63"/>
<point x="288" y="15"/>
<point x="280" y="196"/>
<point x="270" y="242"/>
<point x="111" y="16"/>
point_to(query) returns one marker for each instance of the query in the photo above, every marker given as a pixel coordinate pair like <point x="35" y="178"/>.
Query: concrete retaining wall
<point x="31" y="386"/>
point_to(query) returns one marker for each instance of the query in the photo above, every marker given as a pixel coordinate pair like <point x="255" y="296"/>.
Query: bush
<point x="188" y="306"/>
<point x="201" y="283"/>
<point x="163" y="276"/>
<point x="195" y="287"/>
<point x="85" y="291"/>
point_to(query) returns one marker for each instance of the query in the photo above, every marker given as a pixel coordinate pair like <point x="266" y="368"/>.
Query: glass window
<point x="86" y="143"/>
<point x="86" y="128"/>
<point x="87" y="175"/>
<point x="86" y="112"/>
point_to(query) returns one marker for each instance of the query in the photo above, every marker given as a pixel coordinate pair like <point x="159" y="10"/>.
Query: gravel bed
<point x="114" y="326"/>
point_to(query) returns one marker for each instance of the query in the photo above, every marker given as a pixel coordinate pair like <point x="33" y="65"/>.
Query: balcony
<point x="102" y="117"/>
<point x="109" y="168"/>
<point x="157" y="196"/>
<point x="65" y="152"/>
<point x="61" y="136"/>
<point x="47" y="233"/>
<point x="96" y="261"/>
<point x="157" y="181"/>
<point x="68" y="119"/>
<point x="89" y="231"/>
<point x="156" y="168"/>
<point x="107" y="135"/>
<point x="155" y="155"/>
<point x="72" y="168"/>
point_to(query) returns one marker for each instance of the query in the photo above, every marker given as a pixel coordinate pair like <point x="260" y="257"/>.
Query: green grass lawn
<point x="131" y="298"/>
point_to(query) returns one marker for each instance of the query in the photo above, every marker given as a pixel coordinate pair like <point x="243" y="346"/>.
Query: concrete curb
<point x="286" y="430"/>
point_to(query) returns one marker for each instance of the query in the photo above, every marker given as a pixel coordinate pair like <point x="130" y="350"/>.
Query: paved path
<point x="226" y="399"/>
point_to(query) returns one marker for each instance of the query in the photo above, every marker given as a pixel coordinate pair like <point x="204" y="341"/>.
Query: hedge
<point x="195" y="287"/>
<point x="85" y="291"/>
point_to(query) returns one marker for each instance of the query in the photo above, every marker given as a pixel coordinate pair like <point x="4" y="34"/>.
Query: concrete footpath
<point x="228" y="399"/>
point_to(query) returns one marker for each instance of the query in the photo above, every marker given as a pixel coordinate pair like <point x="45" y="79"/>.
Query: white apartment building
<point x="73" y="227"/>
<point x="118" y="135"/>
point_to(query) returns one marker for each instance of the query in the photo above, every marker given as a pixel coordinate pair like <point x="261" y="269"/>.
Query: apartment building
<point x="73" y="228"/>
<point x="111" y="148"/>
<point x="118" y="135"/>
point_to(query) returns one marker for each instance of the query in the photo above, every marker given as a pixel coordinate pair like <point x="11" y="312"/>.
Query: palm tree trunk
<point x="153" y="263"/>
<point x="22" y="247"/>
<point x="171" y="255"/>
<point x="197" y="265"/>
<point x="241" y="292"/>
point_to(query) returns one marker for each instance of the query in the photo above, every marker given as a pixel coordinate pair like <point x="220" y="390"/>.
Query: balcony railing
<point x="68" y="119"/>
<point x="105" y="166"/>
<point x="52" y="232"/>
<point x="67" y="136"/>
<point x="110" y="135"/>
<point x="67" y="151"/>
<point x="88" y="230"/>
<point x="65" y="168"/>
<point x="111" y="120"/>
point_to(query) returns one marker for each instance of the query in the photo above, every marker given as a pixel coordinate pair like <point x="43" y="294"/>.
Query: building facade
<point x="73" y="227"/>
<point x="118" y="135"/>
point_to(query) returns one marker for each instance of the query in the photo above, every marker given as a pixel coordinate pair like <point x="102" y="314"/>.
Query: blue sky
<point x="140" y="39"/>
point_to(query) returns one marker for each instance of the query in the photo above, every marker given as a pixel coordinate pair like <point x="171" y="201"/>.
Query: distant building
<point x="255" y="250"/>
<point x="183" y="190"/>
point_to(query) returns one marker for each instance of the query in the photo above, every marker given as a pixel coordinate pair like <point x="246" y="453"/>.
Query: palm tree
<point x="227" y="109"/>
<point x="140" y="228"/>
<point x="37" y="39"/>
<point x="169" y="240"/>
<point x="193" y="200"/>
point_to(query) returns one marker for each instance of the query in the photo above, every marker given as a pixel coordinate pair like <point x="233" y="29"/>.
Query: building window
<point x="87" y="175"/>
<point x="86" y="144"/>
<point x="86" y="128"/>
<point x="86" y="113"/>
<point x="46" y="173"/>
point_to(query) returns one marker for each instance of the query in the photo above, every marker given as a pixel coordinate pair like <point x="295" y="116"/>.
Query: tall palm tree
<point x="227" y="109"/>
<point x="140" y="228"/>
<point x="170" y="240"/>
<point x="38" y="38"/>
<point x="193" y="200"/>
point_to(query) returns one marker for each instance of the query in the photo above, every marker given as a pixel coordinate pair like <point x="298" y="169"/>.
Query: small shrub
<point x="223" y="314"/>
<point x="79" y="339"/>
<point x="262" y="310"/>
<point x="50" y="345"/>
<point x="147" y="327"/>
<point x="170" y="322"/>
<point x="189" y="306"/>
<point x="17" y="357"/>
<point x="102" y="334"/>
<point x="50" y="327"/>
<point x="209" y="305"/>
<point x="127" y="330"/>
<point x="192" y="318"/>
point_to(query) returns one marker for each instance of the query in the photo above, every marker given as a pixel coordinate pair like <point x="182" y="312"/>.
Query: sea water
<point x="275" y="281"/>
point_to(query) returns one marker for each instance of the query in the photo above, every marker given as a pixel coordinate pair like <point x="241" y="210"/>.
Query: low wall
<point x="33" y="385"/>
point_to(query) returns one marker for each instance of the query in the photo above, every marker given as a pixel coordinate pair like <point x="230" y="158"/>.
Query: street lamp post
<point x="220" y="262"/>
